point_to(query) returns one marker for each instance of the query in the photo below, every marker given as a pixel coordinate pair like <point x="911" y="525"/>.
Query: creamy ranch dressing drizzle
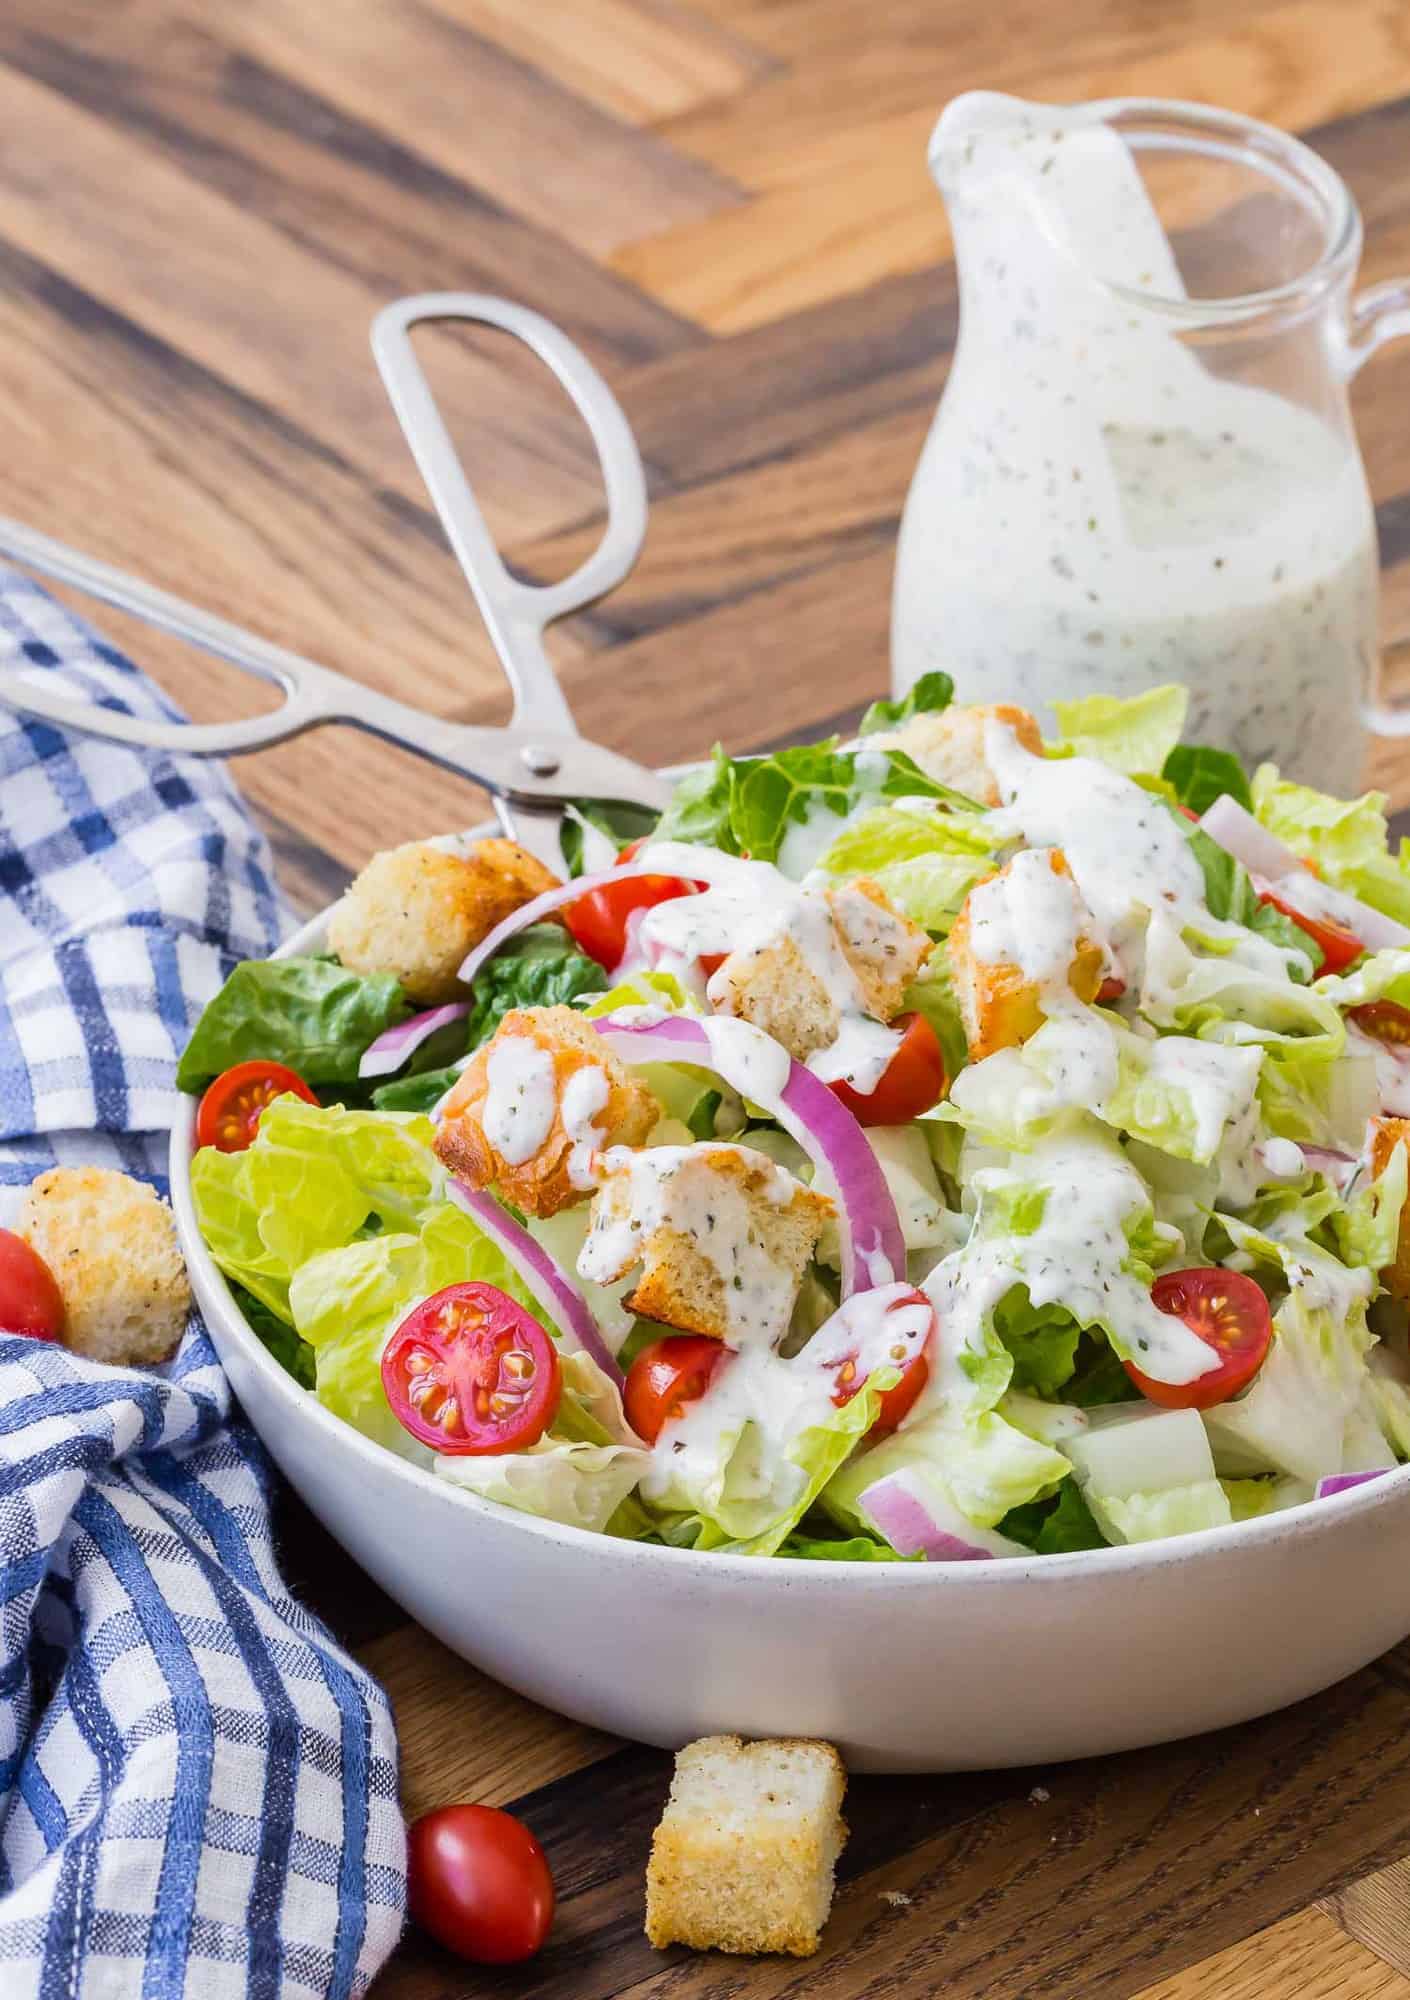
<point x="778" y="1399"/>
<point x="750" y="907"/>
<point x="1073" y="1258"/>
<point x="521" y="1098"/>
<point x="584" y="1095"/>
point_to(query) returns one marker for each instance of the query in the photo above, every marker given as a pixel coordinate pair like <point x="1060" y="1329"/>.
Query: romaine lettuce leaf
<point x="931" y="693"/>
<point x="1199" y="776"/>
<point x="748" y="805"/>
<point x="306" y="1012"/>
<point x="1054" y="1527"/>
<point x="926" y="862"/>
<point x="1042" y="1340"/>
<point x="580" y="1484"/>
<point x="983" y="1466"/>
<point x="1133" y="735"/>
<point x="541" y="967"/>
<point x="1345" y="838"/>
<point x="753" y="1489"/>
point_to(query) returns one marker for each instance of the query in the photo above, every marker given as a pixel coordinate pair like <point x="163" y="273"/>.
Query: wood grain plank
<point x="475" y="108"/>
<point x="512" y="1747"/>
<point x="637" y="60"/>
<point x="1306" y="1956"/>
<point x="1376" y="1912"/>
<point x="357" y="196"/>
<point x="855" y="204"/>
<point x="1092" y="1880"/>
<point x="296" y="342"/>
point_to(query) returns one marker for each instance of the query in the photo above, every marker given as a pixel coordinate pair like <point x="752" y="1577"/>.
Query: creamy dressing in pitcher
<point x="1095" y="511"/>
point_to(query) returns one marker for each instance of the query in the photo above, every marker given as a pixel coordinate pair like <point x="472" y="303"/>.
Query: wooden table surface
<point x="726" y="203"/>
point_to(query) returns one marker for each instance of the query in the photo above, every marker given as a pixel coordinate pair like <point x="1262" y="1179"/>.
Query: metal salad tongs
<point x="538" y="764"/>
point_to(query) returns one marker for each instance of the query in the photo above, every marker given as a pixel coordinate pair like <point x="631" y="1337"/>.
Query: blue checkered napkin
<point x="197" y="1786"/>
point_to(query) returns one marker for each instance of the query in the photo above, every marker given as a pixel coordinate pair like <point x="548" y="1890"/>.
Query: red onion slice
<point x="1342" y="1482"/>
<point x="544" y="1275"/>
<point x="916" y="1521"/>
<point x="543" y="905"/>
<point x="396" y="1045"/>
<point x="873" y="1247"/>
<point x="1264" y="855"/>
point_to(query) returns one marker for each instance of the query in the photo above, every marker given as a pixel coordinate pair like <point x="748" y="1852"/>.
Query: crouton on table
<point x="111" y="1244"/>
<point x="786" y="990"/>
<point x="949" y="747"/>
<point x="1386" y="1135"/>
<point x="415" y="911"/>
<point x="744" y="1856"/>
<point x="534" y="1106"/>
<point x="722" y="1233"/>
<point x="1023" y="939"/>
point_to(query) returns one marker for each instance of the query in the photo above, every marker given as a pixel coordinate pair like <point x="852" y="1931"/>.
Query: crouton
<point x="999" y="958"/>
<point x="781" y="991"/>
<point x="949" y="747"/>
<point x="722" y="1234"/>
<point x="415" y="911"/>
<point x="1386" y="1135"/>
<point x="534" y="1106"/>
<point x="111" y="1243"/>
<point x="745" y="1853"/>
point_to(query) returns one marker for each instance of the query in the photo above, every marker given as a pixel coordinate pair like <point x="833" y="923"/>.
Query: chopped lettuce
<point x="931" y="693"/>
<point x="541" y="967"/>
<point x="983" y="1467"/>
<point x="1054" y="1527"/>
<point x="1346" y="839"/>
<point x="1042" y="1340"/>
<point x="582" y="1485"/>
<point x="927" y="862"/>
<point x="1134" y="735"/>
<point x="309" y="1013"/>
<point x="1199" y="776"/>
<point x="748" y="805"/>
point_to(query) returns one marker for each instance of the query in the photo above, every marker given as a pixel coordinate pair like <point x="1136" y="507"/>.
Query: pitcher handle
<point x="1378" y="316"/>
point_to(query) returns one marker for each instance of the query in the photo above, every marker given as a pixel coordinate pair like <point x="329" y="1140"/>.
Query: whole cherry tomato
<point x="229" y="1113"/>
<point x="597" y="920"/>
<point x="478" y="1881"/>
<point x="1229" y="1311"/>
<point x="911" y="1082"/>
<point x="665" y="1377"/>
<point x="469" y="1373"/>
<point x="29" y="1298"/>
<point x="1338" y="943"/>
<point x="1385" y="1019"/>
<point x="897" y="1402"/>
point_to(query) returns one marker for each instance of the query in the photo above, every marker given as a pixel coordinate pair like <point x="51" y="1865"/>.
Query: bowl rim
<point x="1308" y="1517"/>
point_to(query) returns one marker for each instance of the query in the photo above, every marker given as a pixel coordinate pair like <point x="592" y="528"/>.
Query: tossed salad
<point x="946" y="1146"/>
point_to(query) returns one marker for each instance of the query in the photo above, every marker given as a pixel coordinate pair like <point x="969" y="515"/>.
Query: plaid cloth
<point x="198" y="1789"/>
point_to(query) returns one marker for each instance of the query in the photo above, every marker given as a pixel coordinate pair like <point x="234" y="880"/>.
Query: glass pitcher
<point x="1143" y="467"/>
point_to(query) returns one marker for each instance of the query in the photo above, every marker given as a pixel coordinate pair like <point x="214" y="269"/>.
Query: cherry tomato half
<point x="1229" y="1311"/>
<point x="29" y="1298"/>
<point x="665" y="1377"/>
<point x="597" y="921"/>
<point x="1338" y="944"/>
<point x="478" y="1881"/>
<point x="1385" y="1019"/>
<point x="229" y="1115"/>
<point x="469" y="1373"/>
<point x="911" y="1082"/>
<point x="898" y="1401"/>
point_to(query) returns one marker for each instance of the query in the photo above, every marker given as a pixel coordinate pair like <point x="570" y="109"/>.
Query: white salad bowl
<point x="905" y="1666"/>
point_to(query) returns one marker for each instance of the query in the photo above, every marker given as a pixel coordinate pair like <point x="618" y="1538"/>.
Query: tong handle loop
<point x="515" y="613"/>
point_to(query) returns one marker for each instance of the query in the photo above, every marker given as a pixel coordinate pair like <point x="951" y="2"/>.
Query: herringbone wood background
<point x="726" y="203"/>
